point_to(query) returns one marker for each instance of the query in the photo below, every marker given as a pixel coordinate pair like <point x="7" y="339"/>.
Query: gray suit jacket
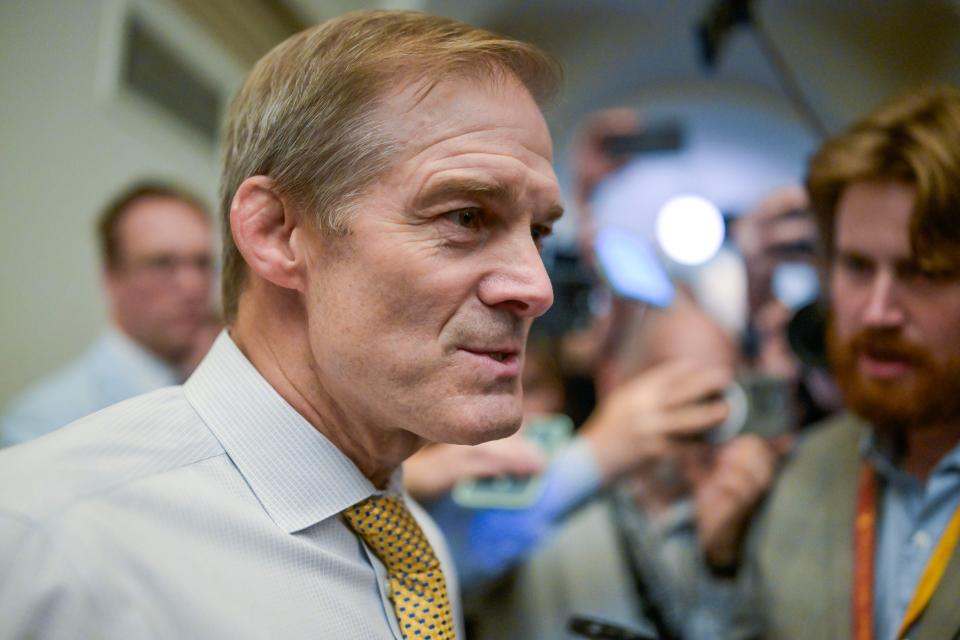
<point x="584" y="569"/>
<point x="804" y="548"/>
<point x="578" y="571"/>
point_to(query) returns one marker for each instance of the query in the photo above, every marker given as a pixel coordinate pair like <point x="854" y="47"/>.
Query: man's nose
<point x="883" y="307"/>
<point x="519" y="281"/>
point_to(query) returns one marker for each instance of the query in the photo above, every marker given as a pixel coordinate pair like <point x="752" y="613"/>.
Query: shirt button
<point x="921" y="539"/>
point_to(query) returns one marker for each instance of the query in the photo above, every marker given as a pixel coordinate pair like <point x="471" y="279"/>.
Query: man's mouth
<point x="501" y="355"/>
<point x="884" y="365"/>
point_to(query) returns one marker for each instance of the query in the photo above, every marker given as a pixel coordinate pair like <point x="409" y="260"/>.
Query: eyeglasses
<point x="164" y="267"/>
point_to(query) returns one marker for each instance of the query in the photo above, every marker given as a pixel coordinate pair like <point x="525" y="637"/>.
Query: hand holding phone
<point x="550" y="433"/>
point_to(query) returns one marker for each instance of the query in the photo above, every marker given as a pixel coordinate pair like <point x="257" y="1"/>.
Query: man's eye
<point x="162" y="263"/>
<point x="202" y="263"/>
<point x="540" y="232"/>
<point x="855" y="265"/>
<point x="467" y="218"/>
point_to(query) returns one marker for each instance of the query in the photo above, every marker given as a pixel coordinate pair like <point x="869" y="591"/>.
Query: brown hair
<point x="306" y="114"/>
<point x="914" y="139"/>
<point x="108" y="223"/>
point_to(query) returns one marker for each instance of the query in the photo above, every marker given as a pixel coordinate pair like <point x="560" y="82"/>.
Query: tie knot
<point x="390" y="530"/>
<point x="417" y="587"/>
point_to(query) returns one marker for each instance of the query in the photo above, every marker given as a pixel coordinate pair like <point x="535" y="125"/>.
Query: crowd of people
<point x="354" y="447"/>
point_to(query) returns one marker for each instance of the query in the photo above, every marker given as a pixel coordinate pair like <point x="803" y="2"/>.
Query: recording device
<point x="601" y="630"/>
<point x="807" y="335"/>
<point x="657" y="137"/>
<point x="550" y="432"/>
<point x="759" y="404"/>
<point x="572" y="283"/>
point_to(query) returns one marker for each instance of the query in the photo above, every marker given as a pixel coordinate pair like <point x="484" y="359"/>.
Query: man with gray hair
<point x="387" y="182"/>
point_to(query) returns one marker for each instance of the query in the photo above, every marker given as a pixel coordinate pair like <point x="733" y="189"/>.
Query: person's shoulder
<point x="585" y="539"/>
<point x="51" y="402"/>
<point x="833" y="437"/>
<point x="823" y="462"/>
<point x="112" y="448"/>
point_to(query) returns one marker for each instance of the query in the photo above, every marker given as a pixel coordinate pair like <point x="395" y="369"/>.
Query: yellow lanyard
<point x="932" y="574"/>
<point x="864" y="543"/>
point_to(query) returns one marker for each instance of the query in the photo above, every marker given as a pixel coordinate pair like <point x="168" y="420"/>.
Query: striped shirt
<point x="208" y="510"/>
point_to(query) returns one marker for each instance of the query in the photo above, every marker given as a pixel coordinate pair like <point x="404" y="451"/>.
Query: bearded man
<point x="859" y="537"/>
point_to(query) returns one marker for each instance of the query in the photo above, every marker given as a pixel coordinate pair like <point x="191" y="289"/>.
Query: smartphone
<point x="771" y="410"/>
<point x="550" y="432"/>
<point x="655" y="138"/>
<point x="758" y="404"/>
<point x="603" y="630"/>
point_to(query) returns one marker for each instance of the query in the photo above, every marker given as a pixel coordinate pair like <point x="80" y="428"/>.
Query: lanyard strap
<point x="865" y="527"/>
<point x="932" y="574"/>
<point x="864" y="543"/>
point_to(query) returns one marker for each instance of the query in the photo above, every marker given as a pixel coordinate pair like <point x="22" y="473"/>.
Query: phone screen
<point x="550" y="432"/>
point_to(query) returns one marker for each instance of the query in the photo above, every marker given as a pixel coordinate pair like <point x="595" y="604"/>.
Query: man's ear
<point x="262" y="222"/>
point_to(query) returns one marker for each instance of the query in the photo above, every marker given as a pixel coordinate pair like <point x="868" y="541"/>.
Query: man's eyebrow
<point x="554" y="213"/>
<point x="850" y="254"/>
<point x="454" y="187"/>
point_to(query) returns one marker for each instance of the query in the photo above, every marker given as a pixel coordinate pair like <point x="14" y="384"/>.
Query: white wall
<point x="67" y="143"/>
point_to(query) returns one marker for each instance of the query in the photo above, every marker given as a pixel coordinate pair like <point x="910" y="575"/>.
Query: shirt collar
<point x="873" y="450"/>
<point x="297" y="474"/>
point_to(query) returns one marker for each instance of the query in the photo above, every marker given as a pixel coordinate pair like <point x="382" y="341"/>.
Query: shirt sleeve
<point x="38" y="596"/>
<point x="44" y="594"/>
<point x="486" y="543"/>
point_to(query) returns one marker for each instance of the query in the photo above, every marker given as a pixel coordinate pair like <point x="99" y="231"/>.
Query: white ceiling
<point x="745" y="134"/>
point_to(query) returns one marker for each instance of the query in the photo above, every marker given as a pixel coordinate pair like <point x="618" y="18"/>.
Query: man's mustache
<point x="495" y="330"/>
<point x="886" y="345"/>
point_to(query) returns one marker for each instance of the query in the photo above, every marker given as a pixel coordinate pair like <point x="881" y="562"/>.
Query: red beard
<point x="929" y="395"/>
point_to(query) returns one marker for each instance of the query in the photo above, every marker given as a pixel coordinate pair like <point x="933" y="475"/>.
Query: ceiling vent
<point x="153" y="70"/>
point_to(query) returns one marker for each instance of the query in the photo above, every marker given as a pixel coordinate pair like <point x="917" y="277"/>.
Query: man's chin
<point x="878" y="401"/>
<point x="895" y="406"/>
<point x="494" y="432"/>
<point x="480" y="423"/>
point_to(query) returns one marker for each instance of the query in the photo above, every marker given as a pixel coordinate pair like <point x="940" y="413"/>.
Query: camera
<point x="759" y="404"/>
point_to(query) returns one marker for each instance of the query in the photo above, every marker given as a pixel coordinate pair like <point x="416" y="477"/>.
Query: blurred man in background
<point x="156" y="249"/>
<point x="784" y="341"/>
<point x="860" y="537"/>
<point x="638" y="556"/>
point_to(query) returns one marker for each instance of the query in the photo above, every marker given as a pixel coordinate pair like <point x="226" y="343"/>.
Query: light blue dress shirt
<point x="112" y="369"/>
<point x="203" y="511"/>
<point x="913" y="516"/>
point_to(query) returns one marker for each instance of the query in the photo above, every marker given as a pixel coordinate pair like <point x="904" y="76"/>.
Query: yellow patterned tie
<point x="417" y="587"/>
